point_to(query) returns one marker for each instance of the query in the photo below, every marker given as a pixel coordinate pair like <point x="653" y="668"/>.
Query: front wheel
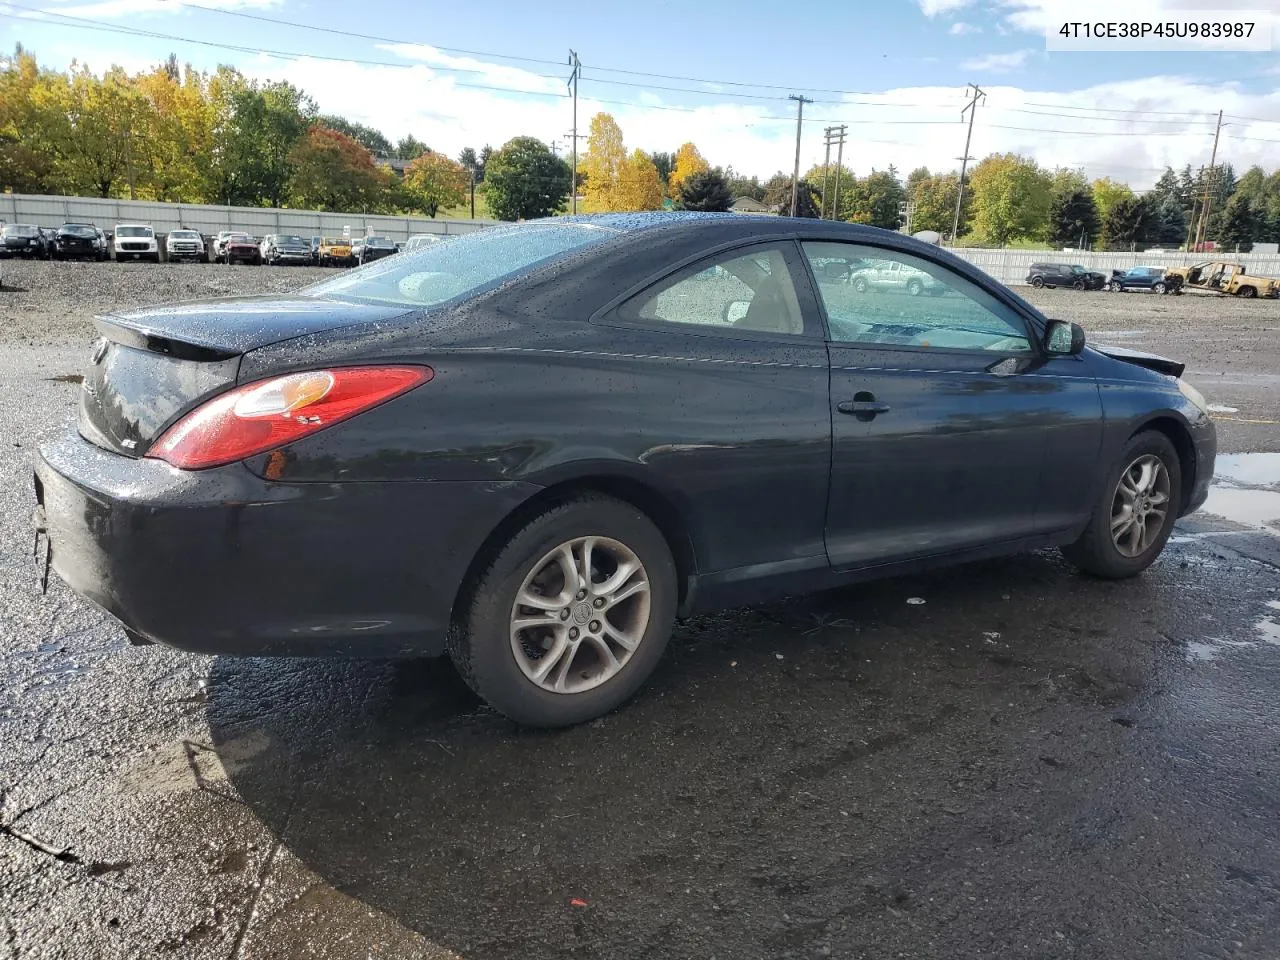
<point x="1134" y="516"/>
<point x="860" y="285"/>
<point x="914" y="287"/>
<point x="1037" y="282"/>
<point x="1248" y="292"/>
<point x="1158" y="288"/>
<point x="571" y="616"/>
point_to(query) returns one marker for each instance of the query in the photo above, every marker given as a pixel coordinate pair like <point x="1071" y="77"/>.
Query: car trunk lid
<point x="148" y="367"/>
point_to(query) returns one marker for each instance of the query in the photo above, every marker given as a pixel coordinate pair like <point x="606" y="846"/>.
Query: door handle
<point x="864" y="406"/>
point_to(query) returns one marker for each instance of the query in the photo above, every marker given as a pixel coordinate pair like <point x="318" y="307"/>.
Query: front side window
<point x="749" y="292"/>
<point x="926" y="305"/>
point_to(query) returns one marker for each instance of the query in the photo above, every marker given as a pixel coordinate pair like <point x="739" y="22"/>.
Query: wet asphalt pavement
<point x="1030" y="763"/>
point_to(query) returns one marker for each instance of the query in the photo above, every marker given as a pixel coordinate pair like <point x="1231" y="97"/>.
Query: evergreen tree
<point x="707" y="191"/>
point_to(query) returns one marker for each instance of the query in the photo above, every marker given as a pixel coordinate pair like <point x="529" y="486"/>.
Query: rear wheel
<point x="1248" y="292"/>
<point x="914" y="287"/>
<point x="1135" y="513"/>
<point x="1037" y="282"/>
<point x="571" y="616"/>
<point x="1077" y="284"/>
<point x="860" y="285"/>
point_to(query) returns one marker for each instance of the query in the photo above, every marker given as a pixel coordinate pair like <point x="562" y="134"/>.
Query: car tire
<point x="1158" y="288"/>
<point x="914" y="287"/>
<point x="1248" y="293"/>
<point x="1037" y="282"/>
<point x="860" y="285"/>
<point x="1100" y="552"/>
<point x="495" y="658"/>
<point x="1077" y="285"/>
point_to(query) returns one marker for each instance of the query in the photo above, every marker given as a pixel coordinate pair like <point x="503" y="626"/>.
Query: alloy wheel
<point x="1140" y="505"/>
<point x="580" y="614"/>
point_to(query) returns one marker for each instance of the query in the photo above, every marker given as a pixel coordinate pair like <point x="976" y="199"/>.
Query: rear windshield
<point x="21" y="230"/>
<point x="133" y="231"/>
<point x="467" y="265"/>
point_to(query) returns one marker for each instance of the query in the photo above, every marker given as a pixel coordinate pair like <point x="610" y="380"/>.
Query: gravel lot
<point x="1030" y="764"/>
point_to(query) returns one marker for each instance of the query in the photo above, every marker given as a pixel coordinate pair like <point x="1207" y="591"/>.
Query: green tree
<point x="874" y="200"/>
<point x="1073" y="216"/>
<point x="706" y="191"/>
<point x="410" y="147"/>
<point x="741" y="186"/>
<point x="435" y="181"/>
<point x="1105" y="194"/>
<point x="331" y="171"/>
<point x="525" y="180"/>
<point x="1011" y="197"/>
<point x="934" y="200"/>
<point x="254" y="131"/>
<point x="1241" y="224"/>
<point x="28" y="119"/>
<point x="372" y="140"/>
<point x="1129" y="222"/>
<point x="469" y="160"/>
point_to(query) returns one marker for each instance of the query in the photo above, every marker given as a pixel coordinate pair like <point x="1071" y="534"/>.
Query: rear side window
<point x="464" y="266"/>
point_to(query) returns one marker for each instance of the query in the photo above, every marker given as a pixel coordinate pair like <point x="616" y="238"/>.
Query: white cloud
<point x="998" y="62"/>
<point x="931" y="8"/>
<point x="960" y="29"/>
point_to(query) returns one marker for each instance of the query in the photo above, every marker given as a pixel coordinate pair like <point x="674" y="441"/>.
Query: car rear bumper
<point x="221" y="561"/>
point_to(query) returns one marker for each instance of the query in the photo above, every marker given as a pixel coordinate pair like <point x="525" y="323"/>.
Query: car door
<point x="733" y="346"/>
<point x="951" y="428"/>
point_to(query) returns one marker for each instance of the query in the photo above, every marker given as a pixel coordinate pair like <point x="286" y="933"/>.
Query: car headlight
<point x="1194" y="395"/>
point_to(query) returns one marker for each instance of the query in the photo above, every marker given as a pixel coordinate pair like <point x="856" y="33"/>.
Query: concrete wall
<point x="50" y="211"/>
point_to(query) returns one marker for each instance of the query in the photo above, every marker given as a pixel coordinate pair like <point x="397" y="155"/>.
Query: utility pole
<point x="576" y="64"/>
<point x="1210" y="182"/>
<point x="835" y="200"/>
<point x="128" y="157"/>
<point x="972" y="109"/>
<point x="795" y="174"/>
<point x="826" y="171"/>
<point x="473" y="190"/>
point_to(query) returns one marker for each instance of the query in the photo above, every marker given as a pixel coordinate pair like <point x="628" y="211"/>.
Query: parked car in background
<point x="335" y="252"/>
<point x="420" y="240"/>
<point x="378" y="465"/>
<point x="279" y="248"/>
<point x="23" y="240"/>
<point x="1137" y="278"/>
<point x="1217" y="276"/>
<point x="315" y="249"/>
<point x="240" y="248"/>
<point x="184" y="244"/>
<point x="891" y="275"/>
<point x="135" y="241"/>
<point x="1065" y="275"/>
<point x="368" y="249"/>
<point x="80" y="241"/>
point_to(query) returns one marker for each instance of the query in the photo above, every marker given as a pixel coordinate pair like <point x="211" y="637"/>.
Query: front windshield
<point x="79" y="230"/>
<point x="183" y="234"/>
<point x="290" y="240"/>
<point x="21" y="230"/>
<point x="466" y="265"/>
<point x="133" y="231"/>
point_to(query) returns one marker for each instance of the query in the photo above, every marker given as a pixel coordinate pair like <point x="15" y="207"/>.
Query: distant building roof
<point x="749" y="205"/>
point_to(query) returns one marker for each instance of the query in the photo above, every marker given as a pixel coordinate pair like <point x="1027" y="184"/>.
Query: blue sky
<point x="895" y="72"/>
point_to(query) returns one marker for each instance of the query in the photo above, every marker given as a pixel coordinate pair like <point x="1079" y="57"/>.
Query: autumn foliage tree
<point x="331" y="171"/>
<point x="1011" y="198"/>
<point x="638" y="184"/>
<point x="603" y="164"/>
<point x="434" y="181"/>
<point x="688" y="162"/>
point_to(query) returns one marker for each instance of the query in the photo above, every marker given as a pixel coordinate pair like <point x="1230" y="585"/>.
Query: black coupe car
<point x="535" y="446"/>
<point x="1065" y="275"/>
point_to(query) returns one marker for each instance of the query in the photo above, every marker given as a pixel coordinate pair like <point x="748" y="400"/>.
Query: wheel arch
<point x="670" y="519"/>
<point x="1180" y="436"/>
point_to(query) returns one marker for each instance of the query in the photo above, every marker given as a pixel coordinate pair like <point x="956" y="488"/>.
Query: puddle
<point x="1103" y="336"/>
<point x="1267" y="631"/>
<point x="1246" y="490"/>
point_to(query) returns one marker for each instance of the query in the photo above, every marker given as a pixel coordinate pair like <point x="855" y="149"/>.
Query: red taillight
<point x="268" y="414"/>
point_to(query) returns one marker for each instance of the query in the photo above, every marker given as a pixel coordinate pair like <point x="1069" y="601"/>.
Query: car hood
<point x="1150" y="361"/>
<point x="233" y="325"/>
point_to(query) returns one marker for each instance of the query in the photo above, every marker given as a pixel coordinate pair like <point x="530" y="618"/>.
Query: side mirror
<point x="1063" y="338"/>
<point x="735" y="310"/>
